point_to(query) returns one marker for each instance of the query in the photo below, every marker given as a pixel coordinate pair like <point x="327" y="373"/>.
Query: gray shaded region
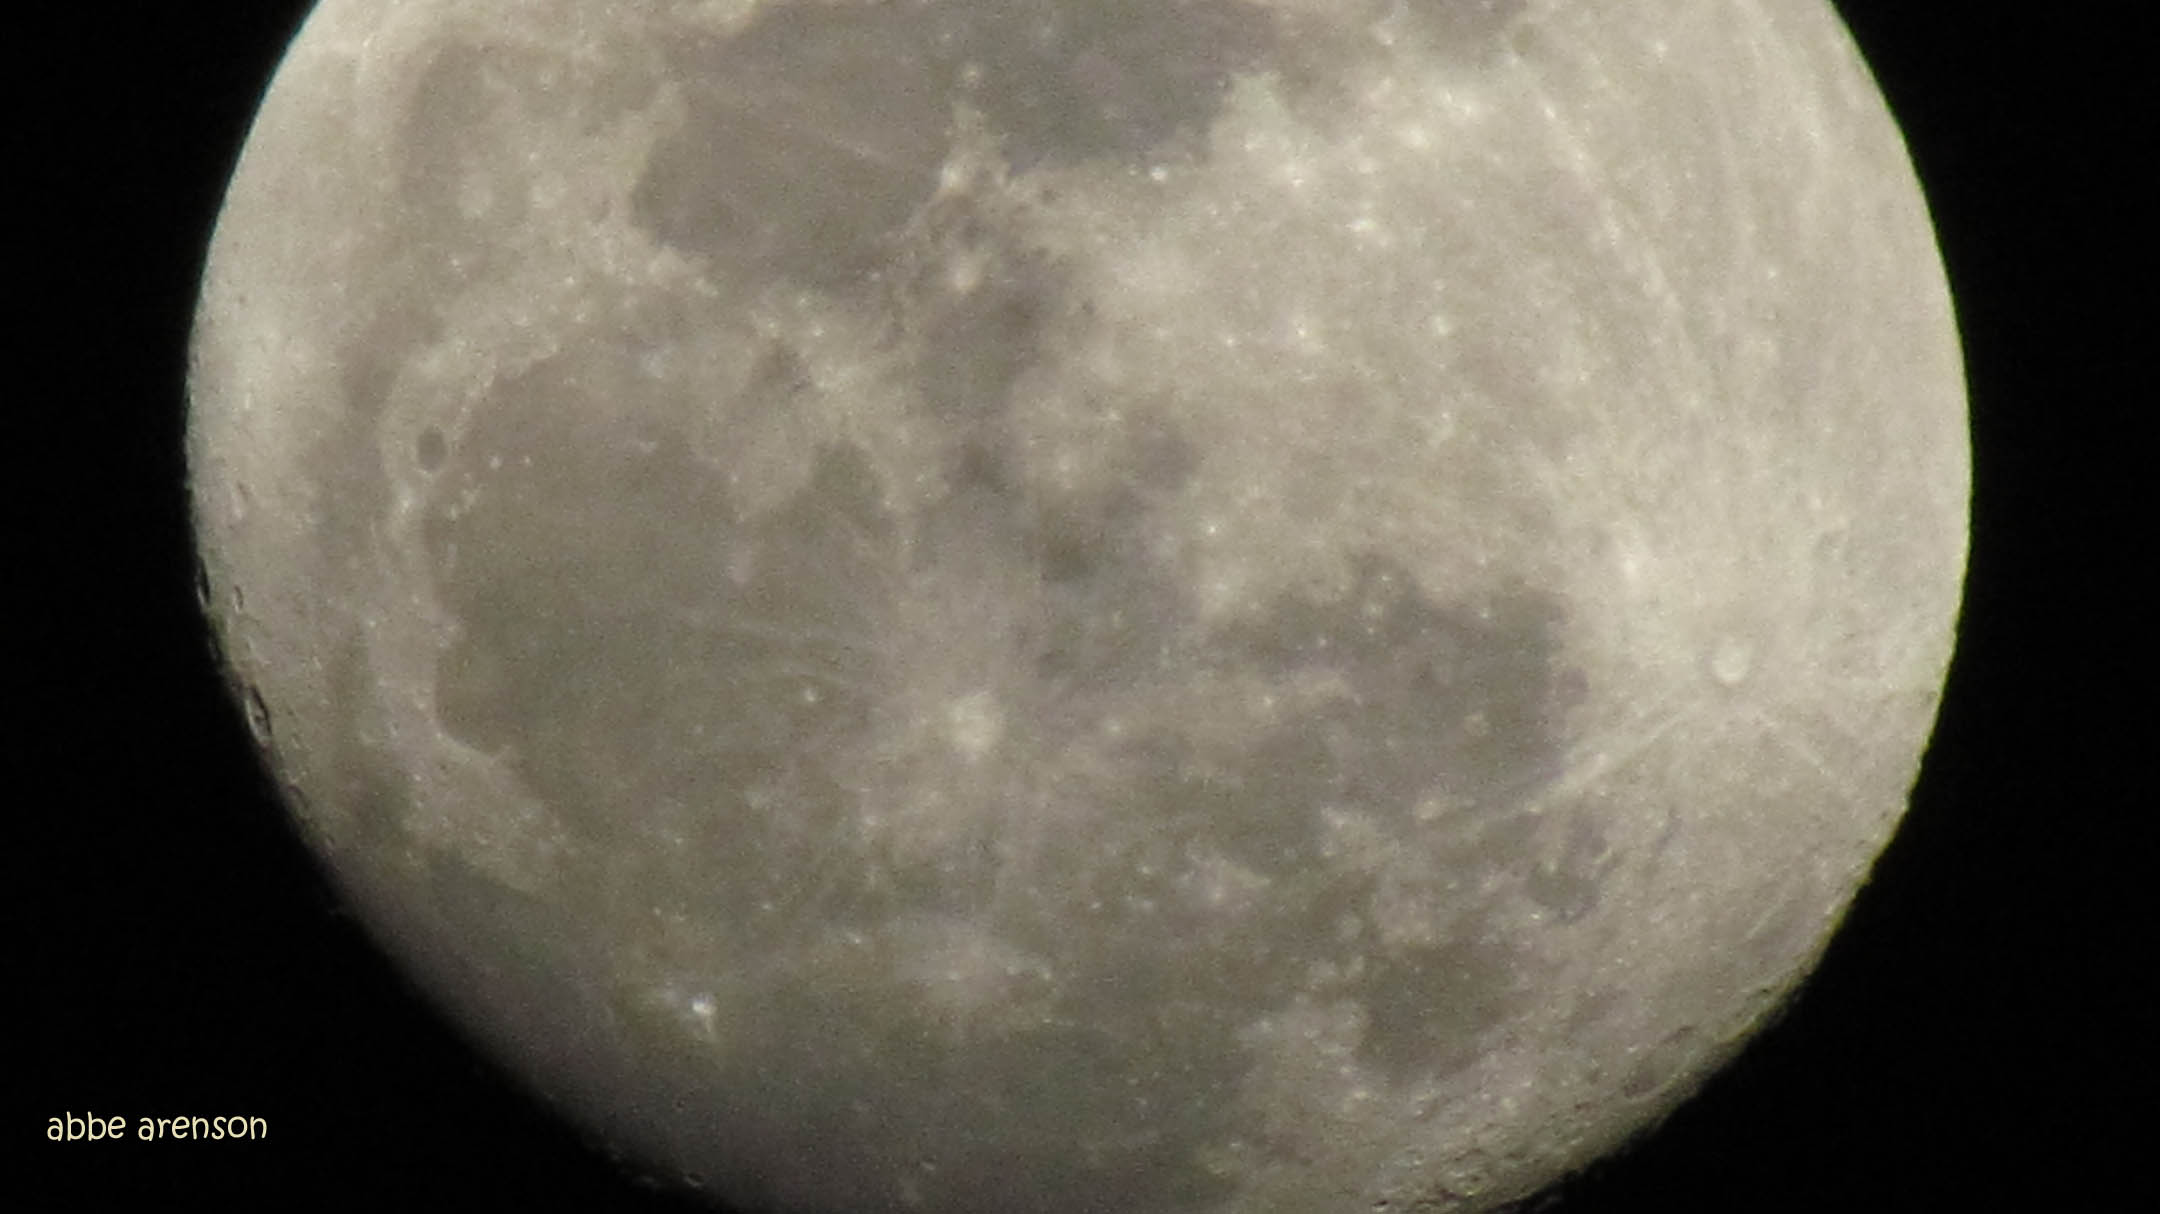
<point x="1071" y="80"/>
<point x="1464" y="26"/>
<point x="976" y="344"/>
<point x="813" y="135"/>
<point x="817" y="131"/>
<point x="1437" y="699"/>
<point x="652" y="666"/>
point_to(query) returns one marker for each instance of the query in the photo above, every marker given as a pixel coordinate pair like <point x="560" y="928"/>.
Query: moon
<point x="1159" y="605"/>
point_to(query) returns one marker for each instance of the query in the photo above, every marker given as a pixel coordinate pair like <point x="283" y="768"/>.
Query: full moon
<point x="1072" y="605"/>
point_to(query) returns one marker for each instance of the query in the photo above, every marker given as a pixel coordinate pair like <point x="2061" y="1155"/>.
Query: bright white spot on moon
<point x="975" y="724"/>
<point x="1731" y="661"/>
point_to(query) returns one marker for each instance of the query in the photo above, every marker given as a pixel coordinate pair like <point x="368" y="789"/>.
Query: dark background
<point x="1967" y="1043"/>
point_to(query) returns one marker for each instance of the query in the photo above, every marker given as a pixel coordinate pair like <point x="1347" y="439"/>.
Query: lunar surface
<point x="1086" y="605"/>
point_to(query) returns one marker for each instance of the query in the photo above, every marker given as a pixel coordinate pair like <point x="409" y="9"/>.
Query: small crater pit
<point x="257" y="713"/>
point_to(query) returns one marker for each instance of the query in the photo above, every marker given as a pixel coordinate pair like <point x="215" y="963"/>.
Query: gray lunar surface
<point x="1087" y="605"/>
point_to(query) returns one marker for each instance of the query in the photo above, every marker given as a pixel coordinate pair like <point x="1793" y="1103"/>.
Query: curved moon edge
<point x="1194" y="606"/>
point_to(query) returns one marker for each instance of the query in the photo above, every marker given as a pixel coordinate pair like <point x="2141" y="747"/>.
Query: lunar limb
<point x="1160" y="605"/>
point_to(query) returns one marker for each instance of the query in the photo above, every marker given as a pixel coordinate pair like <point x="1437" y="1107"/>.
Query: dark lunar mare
<point x="818" y="130"/>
